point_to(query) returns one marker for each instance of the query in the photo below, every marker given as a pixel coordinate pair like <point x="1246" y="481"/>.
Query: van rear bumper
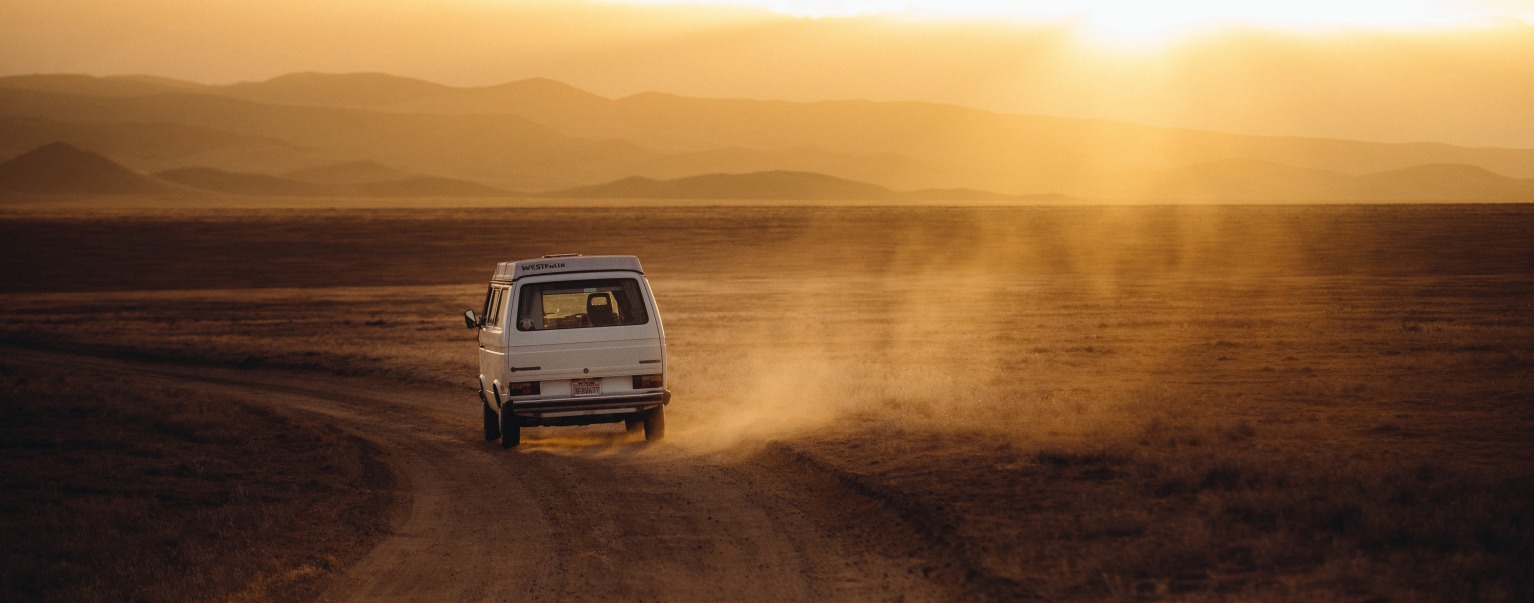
<point x="589" y="404"/>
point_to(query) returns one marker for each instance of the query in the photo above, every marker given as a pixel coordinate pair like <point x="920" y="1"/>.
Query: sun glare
<point x="1137" y="19"/>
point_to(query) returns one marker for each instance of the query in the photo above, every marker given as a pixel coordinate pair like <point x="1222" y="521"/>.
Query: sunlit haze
<point x="1137" y="18"/>
<point x="1394" y="71"/>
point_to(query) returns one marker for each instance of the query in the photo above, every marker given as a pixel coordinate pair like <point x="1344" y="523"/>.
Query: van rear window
<point x="580" y="304"/>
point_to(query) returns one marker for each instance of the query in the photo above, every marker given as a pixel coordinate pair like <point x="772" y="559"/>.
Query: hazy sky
<point x="1144" y="18"/>
<point x="1392" y="70"/>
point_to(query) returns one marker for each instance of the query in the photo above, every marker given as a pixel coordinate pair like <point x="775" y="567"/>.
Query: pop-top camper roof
<point x="559" y="264"/>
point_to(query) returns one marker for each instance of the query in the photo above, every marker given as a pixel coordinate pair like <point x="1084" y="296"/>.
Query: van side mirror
<point x="469" y="320"/>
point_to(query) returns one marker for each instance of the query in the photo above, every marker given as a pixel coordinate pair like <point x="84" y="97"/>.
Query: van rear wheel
<point x="511" y="431"/>
<point x="492" y="422"/>
<point x="655" y="424"/>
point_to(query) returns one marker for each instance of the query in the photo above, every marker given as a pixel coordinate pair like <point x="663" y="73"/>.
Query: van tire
<point x="492" y="422"/>
<point x="655" y="424"/>
<point x="511" y="432"/>
<point x="633" y="425"/>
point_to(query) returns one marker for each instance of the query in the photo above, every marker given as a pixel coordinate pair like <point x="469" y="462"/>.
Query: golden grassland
<point x="122" y="488"/>
<point x="1267" y="403"/>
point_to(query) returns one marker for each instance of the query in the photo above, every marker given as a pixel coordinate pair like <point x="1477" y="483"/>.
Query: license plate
<point x="585" y="387"/>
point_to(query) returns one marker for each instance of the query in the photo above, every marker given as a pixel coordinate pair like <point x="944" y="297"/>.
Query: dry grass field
<point x="1096" y="403"/>
<point x="126" y="489"/>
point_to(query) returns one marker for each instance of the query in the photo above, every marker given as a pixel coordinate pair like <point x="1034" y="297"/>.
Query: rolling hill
<point x="761" y="185"/>
<point x="776" y="185"/>
<point x="1260" y="181"/>
<point x="347" y="172"/>
<point x="1445" y="182"/>
<point x="426" y="186"/>
<point x="60" y="168"/>
<point x="85" y="85"/>
<point x="263" y="185"/>
<point x="239" y="183"/>
<point x="156" y="146"/>
<point x="63" y="169"/>
<point x="334" y="90"/>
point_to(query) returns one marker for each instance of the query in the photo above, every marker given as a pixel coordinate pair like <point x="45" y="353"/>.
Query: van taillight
<point x="524" y="388"/>
<point x="649" y="381"/>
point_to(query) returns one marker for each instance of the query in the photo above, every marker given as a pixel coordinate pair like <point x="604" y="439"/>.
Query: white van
<point x="570" y="340"/>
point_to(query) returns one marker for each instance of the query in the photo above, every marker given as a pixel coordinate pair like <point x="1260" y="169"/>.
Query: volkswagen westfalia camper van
<point x="570" y="340"/>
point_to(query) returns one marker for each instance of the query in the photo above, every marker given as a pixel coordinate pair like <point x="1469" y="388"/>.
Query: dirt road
<point x="581" y="513"/>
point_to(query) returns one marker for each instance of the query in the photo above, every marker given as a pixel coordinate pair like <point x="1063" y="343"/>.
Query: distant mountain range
<point x="1253" y="181"/>
<point x="778" y="185"/>
<point x="261" y="185"/>
<point x="343" y="134"/>
<point x="62" y="169"/>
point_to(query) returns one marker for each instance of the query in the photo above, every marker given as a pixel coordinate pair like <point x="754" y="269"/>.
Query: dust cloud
<point x="1073" y="323"/>
<point x="959" y="323"/>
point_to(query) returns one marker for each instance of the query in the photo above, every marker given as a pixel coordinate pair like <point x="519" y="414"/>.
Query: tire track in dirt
<point x="581" y="513"/>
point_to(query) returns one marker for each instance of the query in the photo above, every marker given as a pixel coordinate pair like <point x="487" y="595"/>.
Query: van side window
<point x="580" y="304"/>
<point x="495" y="303"/>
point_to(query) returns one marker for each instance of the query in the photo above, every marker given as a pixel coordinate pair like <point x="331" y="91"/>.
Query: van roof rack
<point x="562" y="255"/>
<point x="506" y="272"/>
